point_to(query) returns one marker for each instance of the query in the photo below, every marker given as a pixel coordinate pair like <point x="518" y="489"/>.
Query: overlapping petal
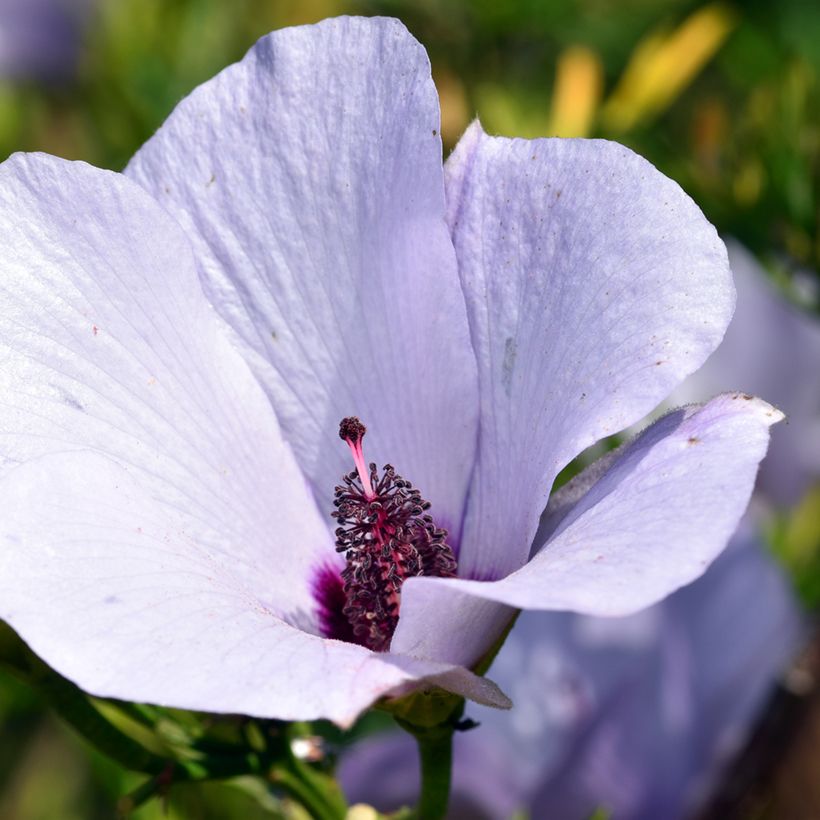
<point x="593" y="286"/>
<point x="309" y="178"/>
<point x="650" y="522"/>
<point x="138" y="600"/>
<point x="108" y="345"/>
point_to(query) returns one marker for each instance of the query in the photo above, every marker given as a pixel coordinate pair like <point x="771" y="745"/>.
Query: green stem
<point x="435" y="744"/>
<point x="316" y="791"/>
<point x="436" y="755"/>
<point x="319" y="801"/>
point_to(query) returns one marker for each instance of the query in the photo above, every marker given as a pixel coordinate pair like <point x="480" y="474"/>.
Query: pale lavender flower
<point x="169" y="458"/>
<point x="642" y="714"/>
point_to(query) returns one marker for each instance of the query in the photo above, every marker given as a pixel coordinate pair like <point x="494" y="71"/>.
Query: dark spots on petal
<point x="435" y="133"/>
<point x="94" y="329"/>
<point x="508" y="365"/>
<point x="693" y="440"/>
<point x="70" y="401"/>
<point x="274" y="335"/>
<point x="211" y="181"/>
<point x="329" y="593"/>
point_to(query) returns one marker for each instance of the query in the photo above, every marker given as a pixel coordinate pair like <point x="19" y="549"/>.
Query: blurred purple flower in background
<point x="641" y="715"/>
<point x="41" y="39"/>
<point x="169" y="457"/>
<point x="772" y="349"/>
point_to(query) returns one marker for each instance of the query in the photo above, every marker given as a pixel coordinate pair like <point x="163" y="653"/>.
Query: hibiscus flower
<point x="180" y="342"/>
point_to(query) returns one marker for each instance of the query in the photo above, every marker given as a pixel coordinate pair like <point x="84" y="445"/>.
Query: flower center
<point x="387" y="536"/>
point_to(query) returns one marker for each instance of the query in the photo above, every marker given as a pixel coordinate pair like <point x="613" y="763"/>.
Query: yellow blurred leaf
<point x="577" y="92"/>
<point x="664" y="64"/>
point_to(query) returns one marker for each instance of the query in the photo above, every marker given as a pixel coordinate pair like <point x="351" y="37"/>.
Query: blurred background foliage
<point x="724" y="98"/>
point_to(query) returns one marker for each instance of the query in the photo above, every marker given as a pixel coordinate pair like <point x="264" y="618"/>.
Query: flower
<point x="180" y="342"/>
<point x="642" y="714"/>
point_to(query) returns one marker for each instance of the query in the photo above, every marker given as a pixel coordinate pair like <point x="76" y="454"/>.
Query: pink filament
<point x="361" y="467"/>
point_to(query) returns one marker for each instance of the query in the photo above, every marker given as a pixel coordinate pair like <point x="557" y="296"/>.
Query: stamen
<point x="387" y="535"/>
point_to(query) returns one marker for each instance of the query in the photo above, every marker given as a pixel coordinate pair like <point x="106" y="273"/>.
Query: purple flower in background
<point x="772" y="348"/>
<point x="41" y="38"/>
<point x="642" y="714"/>
<point x="180" y="343"/>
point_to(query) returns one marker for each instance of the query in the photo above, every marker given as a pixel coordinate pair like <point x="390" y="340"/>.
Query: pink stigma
<point x="352" y="431"/>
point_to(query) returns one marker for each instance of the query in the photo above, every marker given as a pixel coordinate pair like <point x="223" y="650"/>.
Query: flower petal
<point x="473" y="624"/>
<point x="138" y="600"/>
<point x="651" y="523"/>
<point x="593" y="286"/>
<point x="309" y="178"/>
<point x="108" y="345"/>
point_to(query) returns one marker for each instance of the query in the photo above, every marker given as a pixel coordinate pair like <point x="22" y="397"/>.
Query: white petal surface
<point x="473" y="625"/>
<point x="133" y="599"/>
<point x="107" y="344"/>
<point x="593" y="286"/>
<point x="309" y="177"/>
<point x="651" y="523"/>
